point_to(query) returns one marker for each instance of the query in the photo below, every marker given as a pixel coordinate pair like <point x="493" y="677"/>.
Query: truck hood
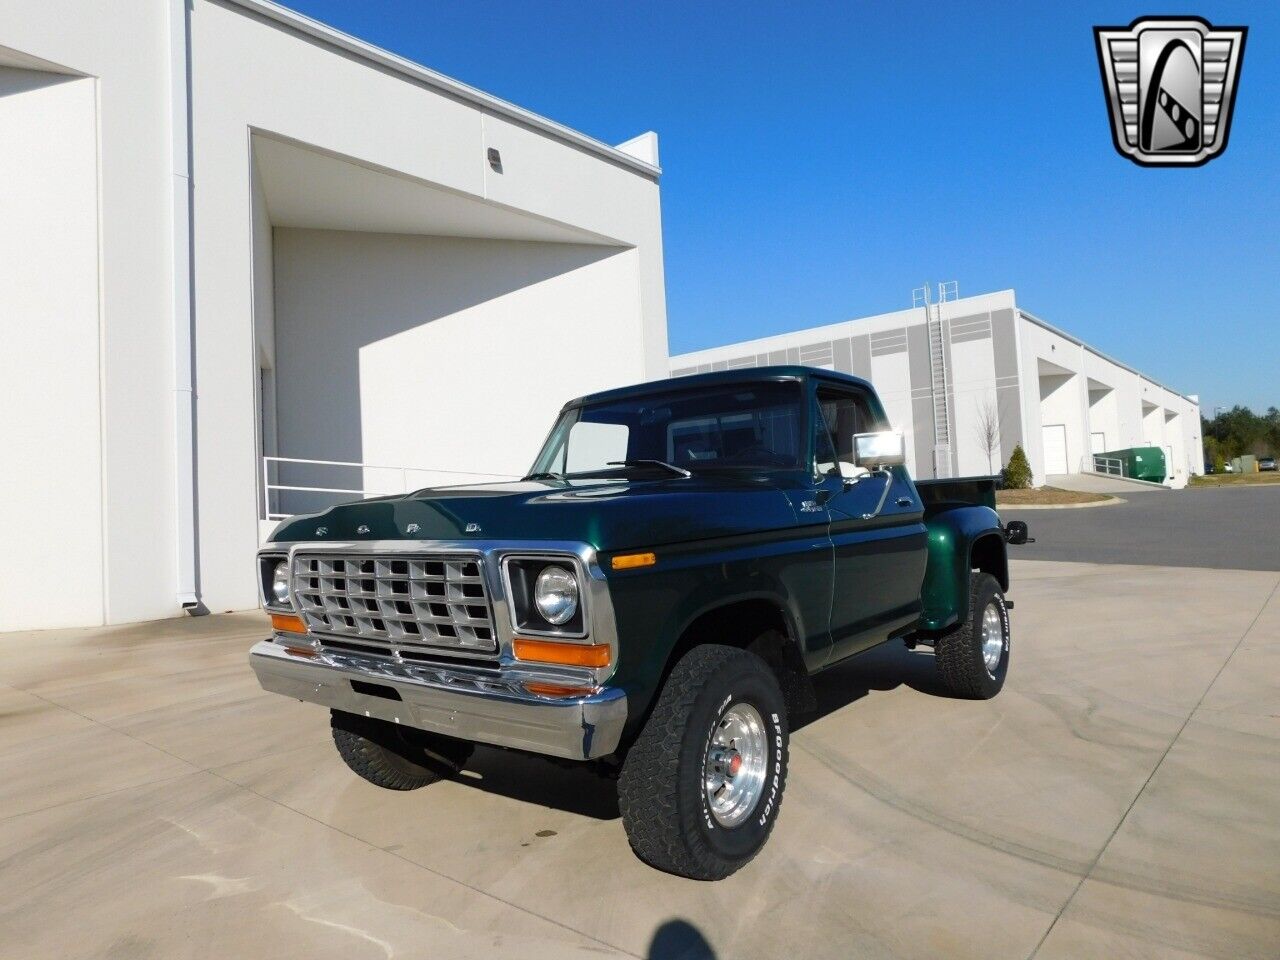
<point x="608" y="514"/>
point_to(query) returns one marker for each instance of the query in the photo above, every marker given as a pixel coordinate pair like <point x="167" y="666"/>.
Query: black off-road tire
<point x="393" y="756"/>
<point x="660" y="791"/>
<point x="959" y="654"/>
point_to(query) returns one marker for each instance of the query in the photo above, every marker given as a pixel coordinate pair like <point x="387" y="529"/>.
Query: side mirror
<point x="877" y="450"/>
<point x="1015" y="532"/>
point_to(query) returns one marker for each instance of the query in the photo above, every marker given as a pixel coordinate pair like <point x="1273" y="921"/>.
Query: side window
<point x="844" y="413"/>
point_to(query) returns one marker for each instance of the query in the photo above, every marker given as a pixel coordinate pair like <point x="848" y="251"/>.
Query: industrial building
<point x="967" y="379"/>
<point x="251" y="265"/>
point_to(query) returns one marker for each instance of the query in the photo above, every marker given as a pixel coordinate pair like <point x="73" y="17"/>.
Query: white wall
<point x="123" y="48"/>
<point x="1133" y="414"/>
<point x="50" y="484"/>
<point x="893" y="371"/>
<point x="973" y="377"/>
<point x="442" y="352"/>
<point x="251" y="77"/>
<point x="1104" y="416"/>
<point x="248" y="73"/>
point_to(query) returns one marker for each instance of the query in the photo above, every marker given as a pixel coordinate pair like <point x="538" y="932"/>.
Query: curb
<point x="1015" y="507"/>
<point x="1233" y="486"/>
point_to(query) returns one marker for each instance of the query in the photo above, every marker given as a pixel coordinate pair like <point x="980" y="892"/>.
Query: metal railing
<point x="1111" y="466"/>
<point x="401" y="473"/>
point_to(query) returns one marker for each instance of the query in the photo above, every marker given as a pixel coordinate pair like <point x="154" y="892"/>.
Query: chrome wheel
<point x="734" y="769"/>
<point x="992" y="637"/>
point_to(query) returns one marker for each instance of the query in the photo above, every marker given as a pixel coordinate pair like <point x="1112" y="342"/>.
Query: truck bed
<point x="939" y="494"/>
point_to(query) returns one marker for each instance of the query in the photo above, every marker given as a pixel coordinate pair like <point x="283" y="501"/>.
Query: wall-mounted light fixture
<point x="495" y="159"/>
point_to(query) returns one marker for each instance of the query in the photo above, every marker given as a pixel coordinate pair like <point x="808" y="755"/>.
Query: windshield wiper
<point x="545" y="475"/>
<point x="678" y="471"/>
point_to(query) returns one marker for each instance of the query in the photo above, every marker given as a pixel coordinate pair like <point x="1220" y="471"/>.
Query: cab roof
<point x="720" y="378"/>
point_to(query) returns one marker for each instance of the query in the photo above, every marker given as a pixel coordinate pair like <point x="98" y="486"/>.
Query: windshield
<point x="750" y="427"/>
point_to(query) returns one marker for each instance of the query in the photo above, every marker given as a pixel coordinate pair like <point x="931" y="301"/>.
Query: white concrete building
<point x="231" y="232"/>
<point x="948" y="370"/>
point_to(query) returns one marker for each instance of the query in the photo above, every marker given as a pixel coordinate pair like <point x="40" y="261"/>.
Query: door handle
<point x="905" y="502"/>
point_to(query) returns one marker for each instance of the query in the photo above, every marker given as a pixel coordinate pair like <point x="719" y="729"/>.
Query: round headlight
<point x="280" y="582"/>
<point x="555" y="594"/>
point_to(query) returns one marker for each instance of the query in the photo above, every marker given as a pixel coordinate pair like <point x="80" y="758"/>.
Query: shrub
<point x="1017" y="475"/>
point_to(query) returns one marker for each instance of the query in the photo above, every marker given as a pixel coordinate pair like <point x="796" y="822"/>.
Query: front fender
<point x="654" y="606"/>
<point x="953" y="532"/>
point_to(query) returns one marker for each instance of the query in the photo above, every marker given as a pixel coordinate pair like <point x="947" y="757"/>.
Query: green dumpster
<point x="1140" y="463"/>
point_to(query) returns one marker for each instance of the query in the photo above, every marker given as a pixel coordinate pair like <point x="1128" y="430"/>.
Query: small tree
<point x="1017" y="475"/>
<point x="988" y="429"/>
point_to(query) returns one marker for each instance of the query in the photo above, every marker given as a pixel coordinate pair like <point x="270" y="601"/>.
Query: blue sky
<point x="822" y="159"/>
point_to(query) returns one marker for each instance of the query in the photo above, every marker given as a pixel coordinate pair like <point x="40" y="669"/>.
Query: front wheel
<point x="973" y="660"/>
<point x="701" y="787"/>
<point x="393" y="756"/>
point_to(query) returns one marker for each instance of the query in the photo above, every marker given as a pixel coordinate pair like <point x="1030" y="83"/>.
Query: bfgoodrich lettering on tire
<point x="701" y="787"/>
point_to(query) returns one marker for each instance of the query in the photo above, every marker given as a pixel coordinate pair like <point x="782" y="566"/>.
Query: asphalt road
<point x="1228" y="529"/>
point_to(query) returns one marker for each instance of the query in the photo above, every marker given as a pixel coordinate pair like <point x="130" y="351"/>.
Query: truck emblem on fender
<point x="322" y="531"/>
<point x="412" y="528"/>
<point x="1170" y="84"/>
<point x="363" y="528"/>
<point x="473" y="527"/>
<point x="810" y="506"/>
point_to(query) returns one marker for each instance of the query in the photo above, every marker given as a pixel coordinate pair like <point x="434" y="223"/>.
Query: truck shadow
<point x="884" y="667"/>
<point x="589" y="792"/>
<point x="571" y="787"/>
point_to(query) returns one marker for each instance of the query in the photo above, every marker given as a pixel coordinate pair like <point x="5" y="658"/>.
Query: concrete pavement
<point x="1101" y="483"/>
<point x="1117" y="799"/>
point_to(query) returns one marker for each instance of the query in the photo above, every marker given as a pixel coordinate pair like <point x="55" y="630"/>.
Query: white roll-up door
<point x="1055" y="447"/>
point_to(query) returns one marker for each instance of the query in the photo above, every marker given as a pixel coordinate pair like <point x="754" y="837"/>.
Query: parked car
<point x="1266" y="463"/>
<point x="654" y="598"/>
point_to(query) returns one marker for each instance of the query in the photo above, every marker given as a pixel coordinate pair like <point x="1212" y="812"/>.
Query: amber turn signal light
<point x="629" y="561"/>
<point x="287" y="623"/>
<point x="538" y="688"/>
<point x="569" y="654"/>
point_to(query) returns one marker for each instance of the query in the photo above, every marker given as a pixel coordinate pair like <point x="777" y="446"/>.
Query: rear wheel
<point x="393" y="756"/>
<point x="701" y="787"/>
<point x="973" y="660"/>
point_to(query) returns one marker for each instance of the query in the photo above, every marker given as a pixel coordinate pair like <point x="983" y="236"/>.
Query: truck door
<point x="879" y="558"/>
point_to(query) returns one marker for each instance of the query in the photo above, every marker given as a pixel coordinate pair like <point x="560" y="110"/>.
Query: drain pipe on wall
<point x="184" y="446"/>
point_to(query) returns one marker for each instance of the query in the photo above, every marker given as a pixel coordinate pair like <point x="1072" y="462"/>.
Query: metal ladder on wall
<point x="922" y="297"/>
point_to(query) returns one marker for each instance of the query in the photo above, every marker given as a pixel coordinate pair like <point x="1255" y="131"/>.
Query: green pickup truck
<point x="654" y="598"/>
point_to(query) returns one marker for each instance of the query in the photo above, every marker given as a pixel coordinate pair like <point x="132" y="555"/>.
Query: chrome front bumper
<point x="459" y="703"/>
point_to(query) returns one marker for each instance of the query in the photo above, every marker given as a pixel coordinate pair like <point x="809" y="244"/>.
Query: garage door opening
<point x="1062" y="423"/>
<point x="1104" y="417"/>
<point x="385" y="307"/>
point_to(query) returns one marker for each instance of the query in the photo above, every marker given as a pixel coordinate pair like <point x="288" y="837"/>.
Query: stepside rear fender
<point x="961" y="537"/>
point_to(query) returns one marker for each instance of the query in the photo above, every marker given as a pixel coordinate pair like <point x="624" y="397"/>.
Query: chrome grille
<point x="396" y="602"/>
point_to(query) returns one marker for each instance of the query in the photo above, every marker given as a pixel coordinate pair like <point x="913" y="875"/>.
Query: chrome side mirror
<point x="875" y="451"/>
